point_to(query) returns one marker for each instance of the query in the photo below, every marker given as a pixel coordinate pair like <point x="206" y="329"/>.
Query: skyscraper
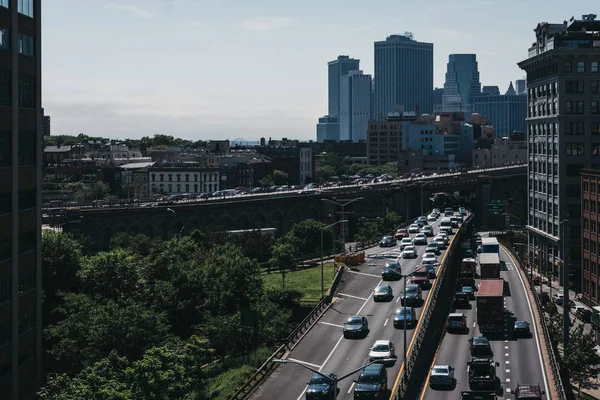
<point x="493" y="90"/>
<point x="337" y="69"/>
<point x="328" y="128"/>
<point x="403" y="76"/>
<point x="521" y="86"/>
<point x="462" y="82"/>
<point x="20" y="198"/>
<point x="563" y="122"/>
<point x="355" y="106"/>
<point x="507" y="112"/>
<point x="438" y="94"/>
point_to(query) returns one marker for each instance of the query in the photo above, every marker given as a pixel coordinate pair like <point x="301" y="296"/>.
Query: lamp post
<point x="322" y="256"/>
<point x="344" y="204"/>
<point x="403" y="304"/>
<point x="333" y="379"/>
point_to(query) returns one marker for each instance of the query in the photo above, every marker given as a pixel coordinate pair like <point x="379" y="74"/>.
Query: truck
<point x="528" y="392"/>
<point x="489" y="266"/>
<point x="477" y="395"/>
<point x="468" y="272"/>
<point x="482" y="374"/>
<point x="490" y="245"/>
<point x="490" y="305"/>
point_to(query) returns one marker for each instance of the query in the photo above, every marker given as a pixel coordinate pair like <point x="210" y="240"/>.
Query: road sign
<point x="496" y="207"/>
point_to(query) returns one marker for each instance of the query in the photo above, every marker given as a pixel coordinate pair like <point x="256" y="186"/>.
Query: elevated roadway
<point x="520" y="359"/>
<point x="324" y="347"/>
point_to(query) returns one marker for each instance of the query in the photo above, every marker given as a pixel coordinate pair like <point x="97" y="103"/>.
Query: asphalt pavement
<point x="520" y="359"/>
<point x="324" y="348"/>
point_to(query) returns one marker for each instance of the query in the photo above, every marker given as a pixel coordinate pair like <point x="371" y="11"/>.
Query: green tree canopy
<point x="280" y="177"/>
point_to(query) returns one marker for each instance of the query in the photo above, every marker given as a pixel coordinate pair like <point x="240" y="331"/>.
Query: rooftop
<point x="56" y="149"/>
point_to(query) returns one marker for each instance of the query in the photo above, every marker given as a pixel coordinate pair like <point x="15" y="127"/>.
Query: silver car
<point x="441" y="375"/>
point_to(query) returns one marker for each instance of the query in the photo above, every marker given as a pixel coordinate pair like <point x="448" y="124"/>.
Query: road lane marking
<point x="506" y="362"/>
<point x="354" y="297"/>
<point x="505" y="354"/>
<point x="508" y="371"/>
<point x="351" y="387"/>
<point x="304" y="362"/>
<point x="386" y="321"/>
<point x="363" y="273"/>
<point x="330" y="324"/>
<point x="506" y="347"/>
<point x="397" y="300"/>
<point x="507" y="390"/>
<point x="537" y="342"/>
<point x="473" y="324"/>
<point x="507" y="379"/>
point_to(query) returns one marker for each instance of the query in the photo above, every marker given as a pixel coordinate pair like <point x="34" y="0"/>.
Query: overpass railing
<point x="550" y="349"/>
<point x="425" y="318"/>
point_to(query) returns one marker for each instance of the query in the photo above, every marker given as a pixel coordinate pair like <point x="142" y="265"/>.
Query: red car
<point x="401" y="233"/>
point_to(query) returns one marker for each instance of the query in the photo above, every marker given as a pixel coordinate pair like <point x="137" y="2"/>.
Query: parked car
<point x="383" y="293"/>
<point x="405" y="317"/>
<point x="441" y="375"/>
<point x="356" y="325"/>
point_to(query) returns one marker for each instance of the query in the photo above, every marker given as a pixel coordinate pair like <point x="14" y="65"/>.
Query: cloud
<point x="264" y="24"/>
<point x="135" y="11"/>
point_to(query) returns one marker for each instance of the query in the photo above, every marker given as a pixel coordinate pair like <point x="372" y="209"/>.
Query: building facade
<point x="328" y="128"/>
<point x="355" y="106"/>
<point x="180" y="179"/>
<point x="20" y="199"/>
<point x="507" y="113"/>
<point x="501" y="152"/>
<point x="384" y="141"/>
<point x="521" y="86"/>
<point x="563" y="127"/>
<point x="438" y="94"/>
<point x="590" y="224"/>
<point x="462" y="82"/>
<point x="337" y="69"/>
<point x="403" y="76"/>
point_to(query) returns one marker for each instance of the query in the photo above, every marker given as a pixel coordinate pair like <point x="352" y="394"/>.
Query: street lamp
<point x="344" y="204"/>
<point x="174" y="214"/>
<point x="335" y="379"/>
<point x="322" y="269"/>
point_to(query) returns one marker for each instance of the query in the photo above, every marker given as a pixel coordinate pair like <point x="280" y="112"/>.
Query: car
<point x="320" y="387"/>
<point x="401" y="233"/>
<point x="433" y="247"/>
<point x="405" y="317"/>
<point x="448" y="211"/>
<point x="427" y="230"/>
<point x="421" y="277"/>
<point x="423" y="218"/>
<point x="383" y="293"/>
<point x="387" y="241"/>
<point x="441" y="375"/>
<point x="462" y="211"/>
<point x="405" y="242"/>
<point x="429" y="258"/>
<point x="371" y="383"/>
<point x="469" y="291"/>
<point x="558" y="299"/>
<point x="479" y="249"/>
<point x="391" y="274"/>
<point x="432" y="217"/>
<point x="414" y="228"/>
<point x="431" y="271"/>
<point x="468" y="253"/>
<point x="356" y="325"/>
<point x="457" y="322"/>
<point x="413" y="296"/>
<point x="382" y="350"/>
<point x="480" y="347"/>
<point x="420" y="239"/>
<point x="445" y="236"/>
<point x="440" y="241"/>
<point x="409" y="252"/>
<point x="521" y="329"/>
<point x="461" y="300"/>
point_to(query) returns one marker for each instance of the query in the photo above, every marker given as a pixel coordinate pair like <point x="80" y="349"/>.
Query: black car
<point x="383" y="293"/>
<point x="457" y="322"/>
<point x="320" y="387"/>
<point x="390" y="274"/>
<point x="480" y="347"/>
<point x="405" y="317"/>
<point x="387" y="241"/>
<point x="468" y="290"/>
<point x="356" y="325"/>
<point x="413" y="296"/>
<point x="461" y="300"/>
<point x="372" y="383"/>
<point x="521" y="329"/>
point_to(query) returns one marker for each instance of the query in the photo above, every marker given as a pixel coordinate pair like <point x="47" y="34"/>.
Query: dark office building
<point x="20" y="195"/>
<point x="590" y="221"/>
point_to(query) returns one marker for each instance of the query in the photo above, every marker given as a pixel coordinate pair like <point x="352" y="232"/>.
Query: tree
<point x="266" y="181"/>
<point x="305" y="237"/>
<point x="95" y="191"/>
<point x="280" y="177"/>
<point x="580" y="356"/>
<point x="369" y="231"/>
<point x="283" y="259"/>
<point x="141" y="245"/>
<point x="391" y="221"/>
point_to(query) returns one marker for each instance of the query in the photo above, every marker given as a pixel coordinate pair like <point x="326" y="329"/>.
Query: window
<point x="25" y="7"/>
<point x="4" y="3"/>
<point x="187" y="177"/>
<point x="27" y="281"/>
<point x="595" y="149"/>
<point x="27" y="148"/>
<point x="574" y="87"/>
<point x="580" y="66"/>
<point x="178" y="177"/>
<point x="27" y="94"/>
<point x="5" y="205"/>
<point x="595" y="87"/>
<point x="27" y="199"/>
<point x="26" y="45"/>
<point x="5" y="151"/>
<point x="5" y="88"/>
<point x="26" y="320"/>
<point x="595" y="107"/>
<point x="574" y="149"/>
<point x="27" y="241"/>
<point x="153" y="177"/>
<point x="594" y="66"/>
<point x="170" y="177"/>
<point x="568" y="67"/>
<point x="4" y="38"/>
<point x="574" y="128"/>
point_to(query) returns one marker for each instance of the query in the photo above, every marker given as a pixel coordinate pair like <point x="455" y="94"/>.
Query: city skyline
<point x="115" y="88"/>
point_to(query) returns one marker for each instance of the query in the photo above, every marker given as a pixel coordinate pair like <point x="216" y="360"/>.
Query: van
<point x="372" y="383"/>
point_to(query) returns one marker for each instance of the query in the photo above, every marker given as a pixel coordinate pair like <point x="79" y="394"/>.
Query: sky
<point x="225" y="69"/>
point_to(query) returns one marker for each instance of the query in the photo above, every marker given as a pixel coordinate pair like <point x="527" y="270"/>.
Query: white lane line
<point x="537" y="342"/>
<point x="304" y="362"/>
<point x="507" y="390"/>
<point x="506" y="362"/>
<point x="473" y="324"/>
<point x="363" y="273"/>
<point x="506" y="347"/>
<point x="301" y="397"/>
<point x="508" y="371"/>
<point x="386" y="321"/>
<point x="506" y="341"/>
<point x="351" y="387"/>
<point x="505" y="354"/>
<point x="507" y="379"/>
<point x="330" y="324"/>
<point x="354" y="297"/>
<point x="397" y="300"/>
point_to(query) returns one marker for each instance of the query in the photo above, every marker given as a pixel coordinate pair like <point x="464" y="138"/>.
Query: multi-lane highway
<point x="520" y="359"/>
<point x="324" y="347"/>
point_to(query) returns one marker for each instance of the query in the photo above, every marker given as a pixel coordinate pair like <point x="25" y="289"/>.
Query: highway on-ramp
<point x="520" y="359"/>
<point x="324" y="347"/>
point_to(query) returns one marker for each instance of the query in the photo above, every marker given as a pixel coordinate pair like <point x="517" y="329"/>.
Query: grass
<point x="306" y="281"/>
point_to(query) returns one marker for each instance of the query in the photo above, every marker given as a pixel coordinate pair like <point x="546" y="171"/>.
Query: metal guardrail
<point x="426" y="316"/>
<point x="549" y="347"/>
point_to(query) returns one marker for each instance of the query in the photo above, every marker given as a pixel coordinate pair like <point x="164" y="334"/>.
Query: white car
<point x="414" y="228"/>
<point x="431" y="217"/>
<point x="409" y="252"/>
<point x="405" y="242"/>
<point x="427" y="230"/>
<point x="429" y="258"/>
<point x="381" y="350"/>
<point x="441" y="375"/>
<point x="444" y="236"/>
<point x="420" y="240"/>
<point x="441" y="241"/>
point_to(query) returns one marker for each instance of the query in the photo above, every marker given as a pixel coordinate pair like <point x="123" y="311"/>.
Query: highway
<point x="324" y="347"/>
<point x="520" y="359"/>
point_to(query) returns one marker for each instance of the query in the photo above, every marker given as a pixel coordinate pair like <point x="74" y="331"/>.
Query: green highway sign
<point x="496" y="207"/>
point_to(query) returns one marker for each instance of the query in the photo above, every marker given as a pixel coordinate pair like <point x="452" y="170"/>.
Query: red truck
<point x="490" y="305"/>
